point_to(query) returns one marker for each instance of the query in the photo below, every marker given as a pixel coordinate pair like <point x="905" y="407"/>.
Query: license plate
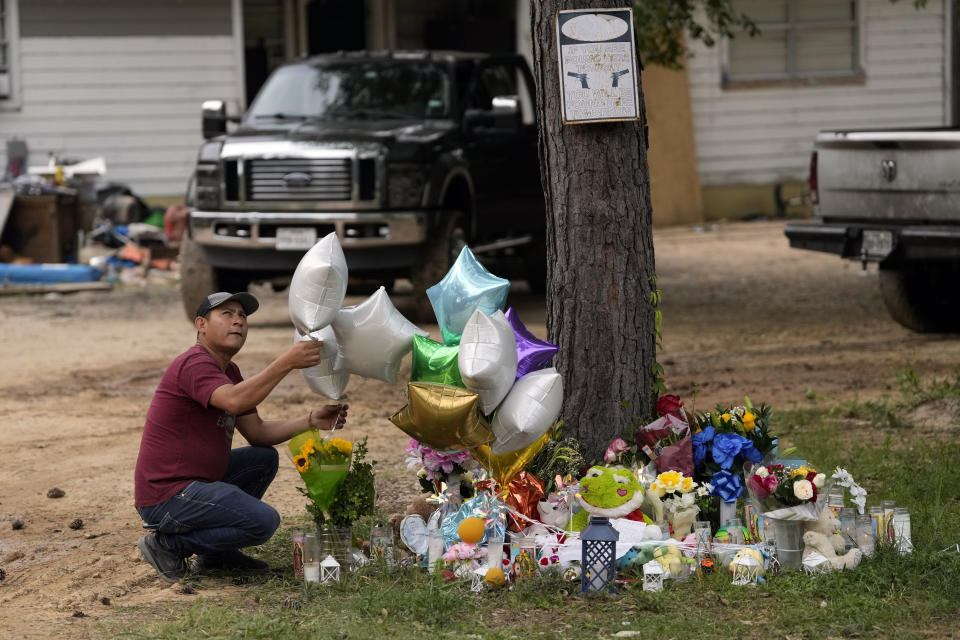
<point x="296" y="237"/>
<point x="877" y="244"/>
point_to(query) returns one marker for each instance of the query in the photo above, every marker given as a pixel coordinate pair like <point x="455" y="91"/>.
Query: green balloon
<point x="435" y="362"/>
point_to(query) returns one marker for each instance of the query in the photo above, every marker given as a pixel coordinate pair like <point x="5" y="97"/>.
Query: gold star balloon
<point x="443" y="417"/>
<point x="505" y="466"/>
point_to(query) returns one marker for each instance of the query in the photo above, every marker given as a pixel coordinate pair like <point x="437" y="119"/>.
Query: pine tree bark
<point x="599" y="252"/>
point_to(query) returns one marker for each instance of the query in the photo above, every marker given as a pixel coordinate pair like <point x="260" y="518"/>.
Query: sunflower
<point x="308" y="447"/>
<point x="301" y="462"/>
<point x="346" y="448"/>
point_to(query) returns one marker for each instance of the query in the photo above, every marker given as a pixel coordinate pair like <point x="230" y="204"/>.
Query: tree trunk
<point x="599" y="252"/>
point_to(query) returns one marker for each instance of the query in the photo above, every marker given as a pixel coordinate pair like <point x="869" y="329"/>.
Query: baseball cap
<point x="214" y="300"/>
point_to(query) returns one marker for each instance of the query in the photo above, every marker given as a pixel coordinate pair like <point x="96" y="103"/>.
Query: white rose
<point x="803" y="489"/>
<point x="762" y="472"/>
<point x="818" y="480"/>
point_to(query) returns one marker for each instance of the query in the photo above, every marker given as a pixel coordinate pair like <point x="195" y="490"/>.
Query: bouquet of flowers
<point x="724" y="440"/>
<point x="323" y="465"/>
<point x="677" y="494"/>
<point x="786" y="493"/>
<point x="665" y="441"/>
<point x="437" y="466"/>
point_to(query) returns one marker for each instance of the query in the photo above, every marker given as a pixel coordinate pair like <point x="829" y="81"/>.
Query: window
<point x="8" y="50"/>
<point x="799" y="40"/>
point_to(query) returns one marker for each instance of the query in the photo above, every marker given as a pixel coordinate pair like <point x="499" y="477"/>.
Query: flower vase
<point x="728" y="510"/>
<point x="681" y="522"/>
<point x="335" y="541"/>
<point x="788" y="539"/>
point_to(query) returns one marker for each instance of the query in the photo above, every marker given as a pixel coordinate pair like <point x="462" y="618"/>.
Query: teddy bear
<point x="814" y="541"/>
<point x="829" y="525"/>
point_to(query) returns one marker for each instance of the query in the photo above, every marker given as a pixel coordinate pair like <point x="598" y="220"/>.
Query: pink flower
<point x="617" y="447"/>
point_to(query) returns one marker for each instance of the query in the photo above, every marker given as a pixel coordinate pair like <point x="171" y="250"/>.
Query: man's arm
<point x="244" y="396"/>
<point x="268" y="433"/>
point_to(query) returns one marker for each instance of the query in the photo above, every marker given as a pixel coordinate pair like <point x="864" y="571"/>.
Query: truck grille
<point x="300" y="179"/>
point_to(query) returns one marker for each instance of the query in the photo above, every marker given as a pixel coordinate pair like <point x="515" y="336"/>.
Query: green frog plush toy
<point x="613" y="492"/>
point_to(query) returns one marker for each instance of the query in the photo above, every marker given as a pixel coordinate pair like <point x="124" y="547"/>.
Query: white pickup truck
<point x="892" y="197"/>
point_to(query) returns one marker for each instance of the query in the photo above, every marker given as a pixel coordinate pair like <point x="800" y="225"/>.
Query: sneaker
<point x="168" y="564"/>
<point x="227" y="561"/>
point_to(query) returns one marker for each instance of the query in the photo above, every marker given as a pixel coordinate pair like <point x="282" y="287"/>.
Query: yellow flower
<point x="301" y="462"/>
<point x="749" y="421"/>
<point x="686" y="484"/>
<point x="725" y="417"/>
<point x="346" y="448"/>
<point x="308" y="447"/>
<point x="658" y="489"/>
<point x="801" y="471"/>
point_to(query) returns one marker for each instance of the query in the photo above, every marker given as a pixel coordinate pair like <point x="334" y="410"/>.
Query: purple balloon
<point x="533" y="353"/>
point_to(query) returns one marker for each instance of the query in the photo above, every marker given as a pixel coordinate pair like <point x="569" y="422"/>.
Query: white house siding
<point x="765" y="135"/>
<point x="126" y="85"/>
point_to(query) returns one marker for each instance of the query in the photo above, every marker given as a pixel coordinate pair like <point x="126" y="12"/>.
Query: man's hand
<point x="304" y="354"/>
<point x="328" y="417"/>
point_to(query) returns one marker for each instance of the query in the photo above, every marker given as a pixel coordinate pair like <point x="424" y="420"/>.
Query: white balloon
<point x="374" y="336"/>
<point x="488" y="357"/>
<point x="532" y="405"/>
<point x="318" y="285"/>
<point x="327" y="378"/>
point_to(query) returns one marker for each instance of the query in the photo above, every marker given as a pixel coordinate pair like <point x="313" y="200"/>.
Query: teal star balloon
<point x="435" y="362"/>
<point x="468" y="286"/>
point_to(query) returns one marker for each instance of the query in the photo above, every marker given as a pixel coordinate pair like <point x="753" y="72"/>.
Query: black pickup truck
<point x="407" y="156"/>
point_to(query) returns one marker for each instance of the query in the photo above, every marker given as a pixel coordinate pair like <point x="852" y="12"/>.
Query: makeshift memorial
<point x="678" y="497"/>
<point x="435" y="362"/>
<point x="533" y="354"/>
<point x="598" y="562"/>
<point x="444" y="418"/>
<point x="528" y="411"/>
<point x="466" y="288"/>
<point x="327" y="378"/>
<point x="373" y="337"/>
<point x="488" y="358"/>
<point x="318" y="286"/>
<point x="611" y="493"/>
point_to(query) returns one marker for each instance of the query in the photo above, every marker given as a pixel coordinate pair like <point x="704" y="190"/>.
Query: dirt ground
<point x="743" y="313"/>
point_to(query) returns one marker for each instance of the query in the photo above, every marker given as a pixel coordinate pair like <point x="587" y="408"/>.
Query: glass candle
<point x="734" y="531"/>
<point x="701" y="532"/>
<point x="876" y="515"/>
<point x="901" y="529"/>
<point x="381" y="545"/>
<point x="886" y="533"/>
<point x="866" y="538"/>
<point x="311" y="557"/>
<point x="494" y="549"/>
<point x="434" y="549"/>
<point x="296" y="538"/>
<point x="848" y="527"/>
<point x="835" y="500"/>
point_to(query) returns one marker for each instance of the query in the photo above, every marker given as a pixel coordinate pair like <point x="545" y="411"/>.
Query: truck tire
<point x="440" y="251"/>
<point x="198" y="279"/>
<point x="922" y="296"/>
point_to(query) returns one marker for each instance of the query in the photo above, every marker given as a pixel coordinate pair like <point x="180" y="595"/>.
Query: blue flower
<point x="726" y="446"/>
<point x="750" y="451"/>
<point x="700" y="442"/>
<point x="729" y="486"/>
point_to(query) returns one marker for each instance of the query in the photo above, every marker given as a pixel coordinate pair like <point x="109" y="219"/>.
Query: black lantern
<point x="598" y="562"/>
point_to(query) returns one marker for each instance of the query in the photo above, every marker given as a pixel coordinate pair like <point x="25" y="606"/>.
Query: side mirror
<point x="213" y="118"/>
<point x="503" y="119"/>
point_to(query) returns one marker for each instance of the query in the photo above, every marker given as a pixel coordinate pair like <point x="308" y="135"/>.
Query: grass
<point x="888" y="596"/>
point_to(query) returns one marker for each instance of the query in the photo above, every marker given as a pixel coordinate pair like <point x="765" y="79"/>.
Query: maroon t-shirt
<point x="185" y="438"/>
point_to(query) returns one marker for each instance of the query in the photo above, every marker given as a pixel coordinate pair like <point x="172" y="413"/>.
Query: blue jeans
<point x="213" y="517"/>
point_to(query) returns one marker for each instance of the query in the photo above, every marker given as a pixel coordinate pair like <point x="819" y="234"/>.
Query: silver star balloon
<point x="532" y="405"/>
<point x="488" y="358"/>
<point x="318" y="286"/>
<point x="373" y="337"/>
<point x="466" y="288"/>
<point x="327" y="378"/>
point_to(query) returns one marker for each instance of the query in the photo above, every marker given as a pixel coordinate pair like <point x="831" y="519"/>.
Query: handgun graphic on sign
<point x="582" y="77"/>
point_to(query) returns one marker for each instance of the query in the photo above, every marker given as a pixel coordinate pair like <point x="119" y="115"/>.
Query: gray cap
<point x="214" y="300"/>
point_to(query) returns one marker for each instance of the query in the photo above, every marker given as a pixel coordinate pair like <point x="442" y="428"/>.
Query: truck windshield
<point x="374" y="89"/>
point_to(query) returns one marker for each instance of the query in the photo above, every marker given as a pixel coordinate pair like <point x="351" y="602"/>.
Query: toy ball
<point x="471" y="530"/>
<point x="448" y="575"/>
<point x="494" y="577"/>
